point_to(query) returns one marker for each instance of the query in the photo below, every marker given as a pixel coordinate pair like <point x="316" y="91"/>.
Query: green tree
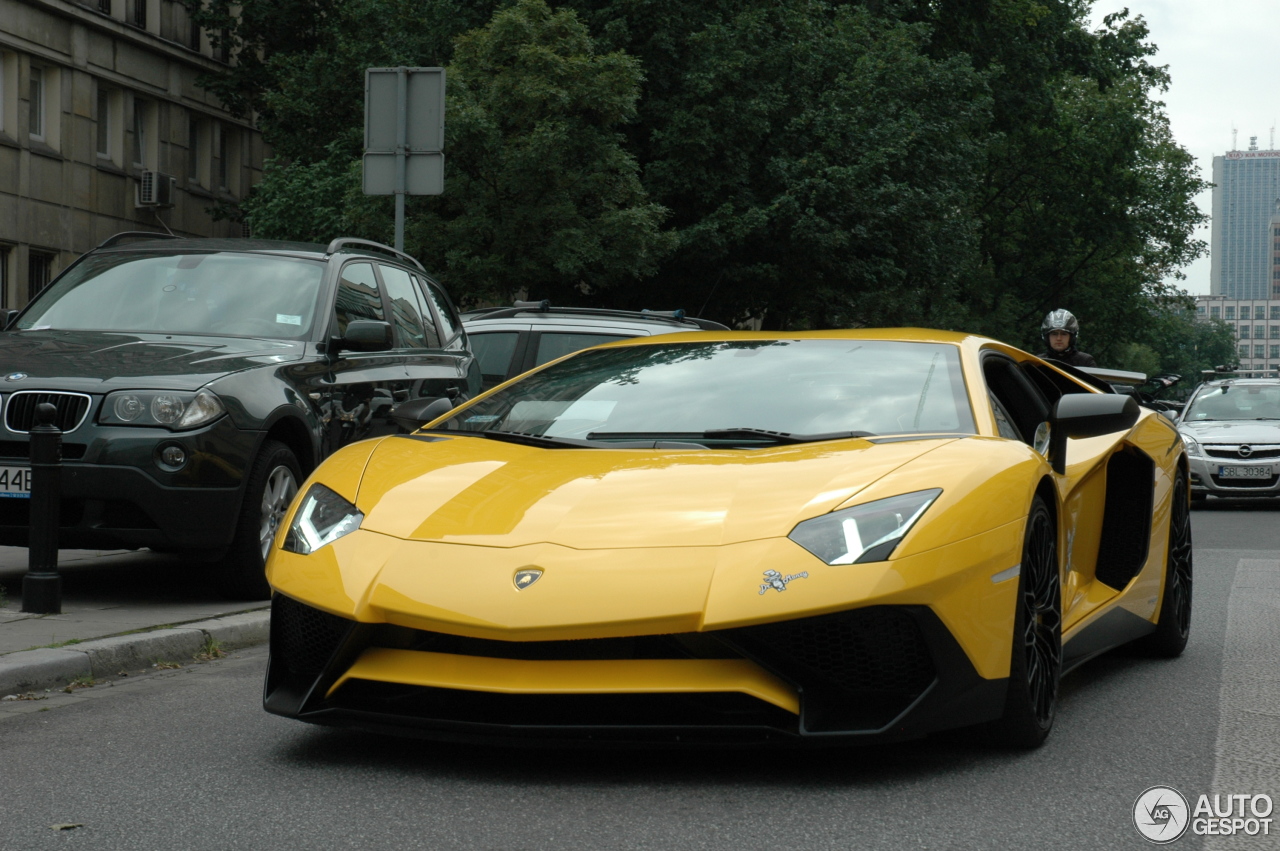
<point x="541" y="196"/>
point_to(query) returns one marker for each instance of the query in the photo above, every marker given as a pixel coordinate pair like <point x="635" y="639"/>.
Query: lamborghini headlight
<point x="867" y="532"/>
<point x="1193" y="445"/>
<point x="322" y="518"/>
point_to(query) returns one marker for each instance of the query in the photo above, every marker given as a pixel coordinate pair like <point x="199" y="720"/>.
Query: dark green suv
<point x="197" y="382"/>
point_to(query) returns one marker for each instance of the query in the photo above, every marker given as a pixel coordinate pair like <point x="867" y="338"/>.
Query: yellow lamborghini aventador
<point x="814" y="537"/>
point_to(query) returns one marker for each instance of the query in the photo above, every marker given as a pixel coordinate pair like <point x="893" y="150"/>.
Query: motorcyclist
<point x="1059" y="331"/>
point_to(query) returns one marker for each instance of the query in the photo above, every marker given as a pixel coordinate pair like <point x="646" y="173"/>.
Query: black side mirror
<point x="363" y="335"/>
<point x="414" y="414"/>
<point x="6" y="316"/>
<point x="1087" y="415"/>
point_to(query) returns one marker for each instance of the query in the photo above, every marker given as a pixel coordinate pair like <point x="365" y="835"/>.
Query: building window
<point x="138" y="13"/>
<point x="1200" y="310"/>
<point x="39" y="272"/>
<point x="1244" y="332"/>
<point x="1259" y="350"/>
<point x="104" y="6"/>
<point x="5" y="254"/>
<point x="1244" y="350"/>
<point x="1259" y="312"/>
<point x="226" y="160"/>
<point x="1259" y="332"/>
<point x="1215" y="313"/>
<point x="36" y="102"/>
<point x="1275" y="351"/>
<point x="144" y="134"/>
<point x="1231" y="312"/>
<point x="104" y="123"/>
<point x="193" y="35"/>
<point x="1275" y="311"/>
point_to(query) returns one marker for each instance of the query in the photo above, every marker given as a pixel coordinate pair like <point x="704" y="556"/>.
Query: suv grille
<point x="20" y="412"/>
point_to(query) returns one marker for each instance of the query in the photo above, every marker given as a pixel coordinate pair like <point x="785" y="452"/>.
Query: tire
<point x="273" y="482"/>
<point x="1174" y="626"/>
<point x="1035" y="666"/>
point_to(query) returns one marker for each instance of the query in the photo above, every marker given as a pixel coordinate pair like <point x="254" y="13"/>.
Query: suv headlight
<point x="1193" y="445"/>
<point x="165" y="408"/>
<point x="867" y="532"/>
<point x="322" y="518"/>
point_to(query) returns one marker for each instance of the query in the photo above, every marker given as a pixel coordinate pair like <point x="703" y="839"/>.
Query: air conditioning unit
<point x="155" y="189"/>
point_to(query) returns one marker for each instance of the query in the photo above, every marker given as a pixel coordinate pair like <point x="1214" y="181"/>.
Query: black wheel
<point x="272" y="484"/>
<point x="1174" y="626"/>
<point x="1036" y="665"/>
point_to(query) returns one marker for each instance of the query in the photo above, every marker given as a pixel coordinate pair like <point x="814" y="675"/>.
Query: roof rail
<point x="135" y="234"/>
<point x="377" y="246"/>
<point x="674" y="317"/>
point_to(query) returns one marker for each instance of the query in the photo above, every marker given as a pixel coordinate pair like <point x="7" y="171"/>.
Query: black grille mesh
<point x="20" y="412"/>
<point x="304" y="638"/>
<point x="874" y="649"/>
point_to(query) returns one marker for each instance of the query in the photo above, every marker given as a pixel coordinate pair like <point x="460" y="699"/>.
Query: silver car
<point x="1232" y="431"/>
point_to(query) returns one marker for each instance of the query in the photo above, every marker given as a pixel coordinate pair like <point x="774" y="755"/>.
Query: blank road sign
<point x="424" y="174"/>
<point x="424" y="109"/>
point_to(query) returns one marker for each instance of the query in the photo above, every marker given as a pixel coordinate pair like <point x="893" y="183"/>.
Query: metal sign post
<point x="403" y="135"/>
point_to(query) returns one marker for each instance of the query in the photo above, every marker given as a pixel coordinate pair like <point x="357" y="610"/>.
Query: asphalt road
<point x="187" y="759"/>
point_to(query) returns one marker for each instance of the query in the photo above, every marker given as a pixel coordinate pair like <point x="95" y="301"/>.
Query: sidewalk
<point x="110" y="594"/>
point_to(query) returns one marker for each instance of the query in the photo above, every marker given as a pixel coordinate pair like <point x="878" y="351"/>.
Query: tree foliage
<point x="804" y="163"/>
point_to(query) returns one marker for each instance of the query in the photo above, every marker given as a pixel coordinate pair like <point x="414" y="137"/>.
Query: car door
<point x="431" y="369"/>
<point x="359" y="389"/>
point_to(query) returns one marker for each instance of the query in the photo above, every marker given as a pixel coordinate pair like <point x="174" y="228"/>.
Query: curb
<point x="30" y="670"/>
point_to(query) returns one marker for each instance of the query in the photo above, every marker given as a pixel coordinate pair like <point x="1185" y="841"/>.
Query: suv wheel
<point x="273" y="482"/>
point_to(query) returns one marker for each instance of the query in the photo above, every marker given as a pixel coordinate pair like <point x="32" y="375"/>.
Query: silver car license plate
<point x="15" y="482"/>
<point x="1253" y="471"/>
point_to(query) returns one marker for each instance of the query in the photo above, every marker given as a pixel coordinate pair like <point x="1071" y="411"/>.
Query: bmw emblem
<point x="525" y="578"/>
<point x="15" y="376"/>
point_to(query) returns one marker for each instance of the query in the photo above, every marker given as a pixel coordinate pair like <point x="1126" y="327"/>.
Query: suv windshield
<point x="821" y="388"/>
<point x="1236" y="402"/>
<point x="223" y="293"/>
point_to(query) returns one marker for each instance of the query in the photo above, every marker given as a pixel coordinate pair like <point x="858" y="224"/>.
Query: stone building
<point x="103" y="129"/>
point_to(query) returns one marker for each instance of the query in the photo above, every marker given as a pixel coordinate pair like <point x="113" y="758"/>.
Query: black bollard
<point x="42" y="586"/>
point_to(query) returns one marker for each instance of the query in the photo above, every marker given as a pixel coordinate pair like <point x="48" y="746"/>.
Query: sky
<point x="1221" y="56"/>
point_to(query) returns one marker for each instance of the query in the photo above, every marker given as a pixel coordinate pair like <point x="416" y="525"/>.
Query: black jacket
<point x="1071" y="356"/>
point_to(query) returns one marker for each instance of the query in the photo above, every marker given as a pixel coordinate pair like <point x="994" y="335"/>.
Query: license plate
<point x="15" y="482"/>
<point x="1254" y="471"/>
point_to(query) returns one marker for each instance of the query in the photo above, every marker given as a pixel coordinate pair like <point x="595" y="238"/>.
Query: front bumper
<point x="875" y="674"/>
<point x="1207" y="479"/>
<point x="114" y="495"/>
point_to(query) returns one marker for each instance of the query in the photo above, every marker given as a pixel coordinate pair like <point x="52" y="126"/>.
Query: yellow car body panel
<point x="631" y="543"/>
<point x="578" y="676"/>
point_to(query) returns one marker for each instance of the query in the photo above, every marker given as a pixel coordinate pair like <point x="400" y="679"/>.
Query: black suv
<point x="197" y="381"/>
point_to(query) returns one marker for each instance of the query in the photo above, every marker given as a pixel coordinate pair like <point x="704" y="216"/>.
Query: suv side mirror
<point x="414" y="414"/>
<point x="6" y="316"/>
<point x="363" y="335"/>
<point x="1087" y="415"/>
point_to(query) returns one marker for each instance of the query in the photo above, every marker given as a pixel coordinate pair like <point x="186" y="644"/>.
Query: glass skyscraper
<point x="1245" y="254"/>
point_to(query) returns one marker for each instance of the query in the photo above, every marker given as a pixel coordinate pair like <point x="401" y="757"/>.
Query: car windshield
<point x="223" y="293"/>
<point x="1236" y="402"/>
<point x="674" y="390"/>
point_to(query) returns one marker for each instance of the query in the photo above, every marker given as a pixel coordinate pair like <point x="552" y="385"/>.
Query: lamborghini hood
<point x="471" y="490"/>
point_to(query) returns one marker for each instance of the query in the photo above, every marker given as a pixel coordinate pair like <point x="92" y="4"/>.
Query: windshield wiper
<point x="727" y="434"/>
<point x="545" y="442"/>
